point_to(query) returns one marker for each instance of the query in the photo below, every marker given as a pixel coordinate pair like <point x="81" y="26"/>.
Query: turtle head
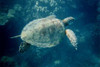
<point x="23" y="47"/>
<point x="68" y="20"/>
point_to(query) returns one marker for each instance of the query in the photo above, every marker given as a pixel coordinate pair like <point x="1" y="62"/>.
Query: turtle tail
<point x="15" y="36"/>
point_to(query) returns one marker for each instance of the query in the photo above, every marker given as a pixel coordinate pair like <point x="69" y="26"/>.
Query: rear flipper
<point x="72" y="37"/>
<point x="23" y="47"/>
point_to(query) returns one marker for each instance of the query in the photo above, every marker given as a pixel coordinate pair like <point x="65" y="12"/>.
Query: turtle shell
<point x="44" y="32"/>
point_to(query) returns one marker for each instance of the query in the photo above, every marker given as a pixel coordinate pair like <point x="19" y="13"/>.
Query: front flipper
<point x="72" y="37"/>
<point x="23" y="47"/>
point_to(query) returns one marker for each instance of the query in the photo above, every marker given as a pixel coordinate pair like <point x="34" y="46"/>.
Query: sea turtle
<point x="46" y="32"/>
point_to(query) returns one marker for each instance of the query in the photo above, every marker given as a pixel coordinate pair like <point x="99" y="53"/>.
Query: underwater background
<point x="15" y="14"/>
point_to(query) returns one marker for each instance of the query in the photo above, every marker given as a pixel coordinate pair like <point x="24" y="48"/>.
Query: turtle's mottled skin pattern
<point x="45" y="32"/>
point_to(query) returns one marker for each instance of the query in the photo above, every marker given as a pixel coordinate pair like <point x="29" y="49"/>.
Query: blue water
<point x="86" y="27"/>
